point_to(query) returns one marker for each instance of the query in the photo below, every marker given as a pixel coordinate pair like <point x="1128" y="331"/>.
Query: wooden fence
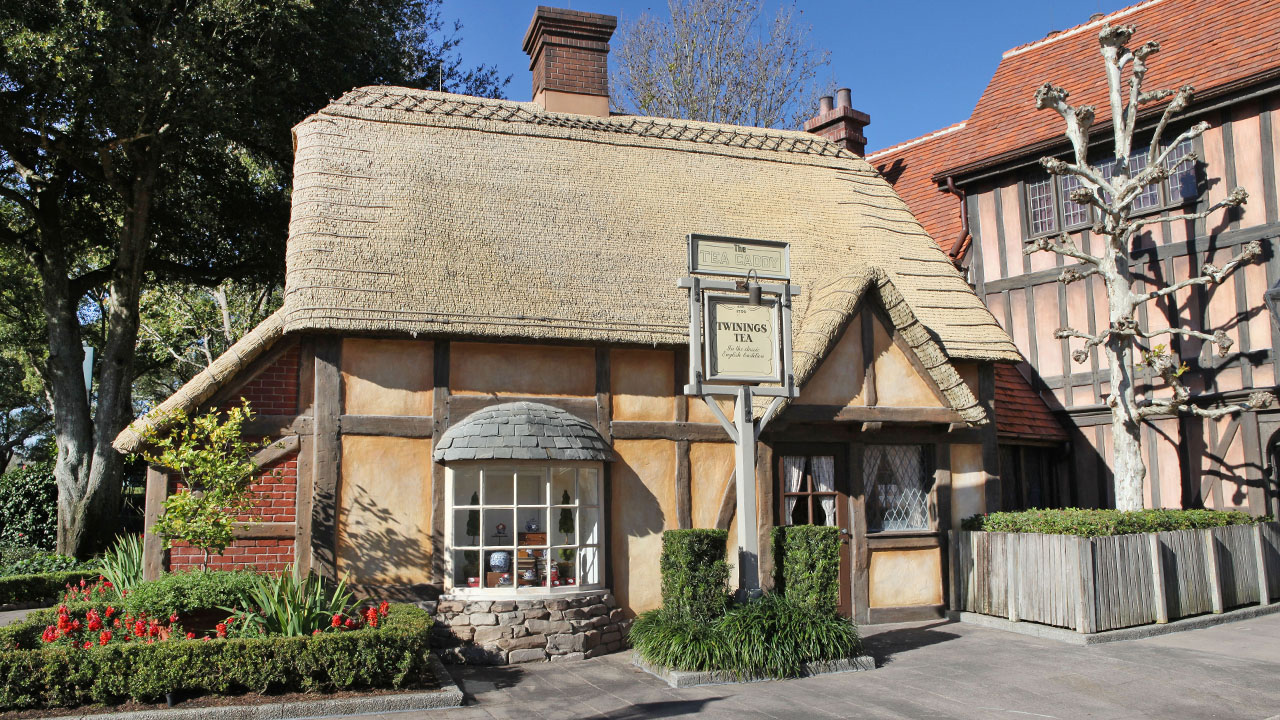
<point x="1096" y="584"/>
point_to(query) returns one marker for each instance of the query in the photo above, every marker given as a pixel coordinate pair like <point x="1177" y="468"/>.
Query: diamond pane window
<point x="1150" y="195"/>
<point x="1182" y="174"/>
<point x="1073" y="215"/>
<point x="1040" y="206"/>
<point x="898" y="482"/>
<point x="530" y="528"/>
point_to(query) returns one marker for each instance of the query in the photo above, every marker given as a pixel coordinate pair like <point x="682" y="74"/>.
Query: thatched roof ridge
<point x="206" y="383"/>
<point x="429" y="213"/>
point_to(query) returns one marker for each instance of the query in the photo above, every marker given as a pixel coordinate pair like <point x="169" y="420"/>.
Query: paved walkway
<point x="926" y="670"/>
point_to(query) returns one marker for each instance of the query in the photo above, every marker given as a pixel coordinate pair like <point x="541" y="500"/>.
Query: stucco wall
<point x="384" y="510"/>
<point x="898" y="382"/>
<point x="840" y="378"/>
<point x="643" y="384"/>
<point x="968" y="482"/>
<point x="386" y="377"/>
<point x="903" y="578"/>
<point x="502" y="369"/>
<point x="710" y="468"/>
<point x="643" y="505"/>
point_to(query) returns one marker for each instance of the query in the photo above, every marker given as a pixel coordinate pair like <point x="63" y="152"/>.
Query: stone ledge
<point x="685" y="678"/>
<point x="448" y="696"/>
<point x="1071" y="637"/>
<point x="482" y="631"/>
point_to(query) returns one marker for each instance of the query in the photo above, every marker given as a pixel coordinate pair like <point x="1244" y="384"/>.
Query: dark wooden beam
<point x="684" y="487"/>
<point x="678" y="431"/>
<point x="439" y="423"/>
<point x="604" y="393"/>
<point x="264" y="530"/>
<point x="152" y="545"/>
<point x="277" y="450"/>
<point x="903" y="542"/>
<point x="870" y="395"/>
<point x="277" y="425"/>
<point x="327" y="455"/>
<point x="881" y="414"/>
<point x="906" y="614"/>
<point x="990" y="440"/>
<point x="305" y="507"/>
<point x="406" y="426"/>
<point x="728" y="503"/>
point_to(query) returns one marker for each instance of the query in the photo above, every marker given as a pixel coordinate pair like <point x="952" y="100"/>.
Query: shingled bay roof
<point x="425" y="212"/>
<point x="521" y="431"/>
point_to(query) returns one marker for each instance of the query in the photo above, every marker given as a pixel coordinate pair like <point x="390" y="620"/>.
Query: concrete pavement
<point x="927" y="670"/>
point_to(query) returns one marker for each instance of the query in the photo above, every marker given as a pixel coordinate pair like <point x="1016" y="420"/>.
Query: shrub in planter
<point x="807" y="558"/>
<point x="42" y="562"/>
<point x="695" y="576"/>
<point x="193" y="590"/>
<point x="393" y="655"/>
<point x="42" y="587"/>
<point x="1102" y="523"/>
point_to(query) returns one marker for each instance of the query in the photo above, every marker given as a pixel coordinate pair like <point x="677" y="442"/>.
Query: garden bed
<point x="1092" y="582"/>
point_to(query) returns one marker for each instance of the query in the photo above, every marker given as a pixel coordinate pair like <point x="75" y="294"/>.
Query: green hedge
<point x="1101" y="523"/>
<point x="391" y="656"/>
<point x="43" y="587"/>
<point x="695" y="576"/>
<point x="807" y="558"/>
<point x="190" y="590"/>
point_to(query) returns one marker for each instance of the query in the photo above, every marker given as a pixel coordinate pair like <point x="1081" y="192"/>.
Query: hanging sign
<point x="742" y="340"/>
<point x="710" y="255"/>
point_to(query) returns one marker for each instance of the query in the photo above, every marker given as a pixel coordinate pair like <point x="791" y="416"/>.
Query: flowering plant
<point x="109" y="626"/>
<point x="103" y="589"/>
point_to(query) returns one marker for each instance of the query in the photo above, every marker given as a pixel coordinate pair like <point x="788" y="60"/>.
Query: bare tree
<point x="718" y="61"/>
<point x="1112" y="199"/>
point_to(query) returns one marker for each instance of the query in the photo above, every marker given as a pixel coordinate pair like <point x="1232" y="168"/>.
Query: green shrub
<point x="391" y="656"/>
<point x="773" y="636"/>
<point x="122" y="563"/>
<point x="807" y="558"/>
<point x="1102" y="523"/>
<point x="695" y="576"/>
<point x="29" y="507"/>
<point x="192" y="590"/>
<point x="43" y="562"/>
<point x="287" y="605"/>
<point x="43" y="587"/>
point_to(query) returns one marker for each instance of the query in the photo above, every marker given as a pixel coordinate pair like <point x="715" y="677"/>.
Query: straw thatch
<point x="204" y="385"/>
<point x="429" y="213"/>
<point x="426" y="212"/>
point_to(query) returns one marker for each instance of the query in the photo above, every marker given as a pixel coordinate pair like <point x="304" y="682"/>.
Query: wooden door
<point x="813" y="489"/>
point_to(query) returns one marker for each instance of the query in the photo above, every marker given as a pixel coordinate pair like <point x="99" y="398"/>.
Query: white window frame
<point x="517" y="467"/>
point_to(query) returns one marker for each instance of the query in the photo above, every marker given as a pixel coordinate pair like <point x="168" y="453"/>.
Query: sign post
<point x="743" y="330"/>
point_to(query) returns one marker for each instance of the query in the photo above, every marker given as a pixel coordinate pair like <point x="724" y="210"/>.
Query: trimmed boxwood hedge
<point x="44" y="587"/>
<point x="393" y="655"/>
<point x="1102" y="523"/>
<point x="695" y="576"/>
<point x="807" y="558"/>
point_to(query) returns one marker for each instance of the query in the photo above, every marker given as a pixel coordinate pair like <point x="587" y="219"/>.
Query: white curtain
<point x="824" y="477"/>
<point x="792" y="474"/>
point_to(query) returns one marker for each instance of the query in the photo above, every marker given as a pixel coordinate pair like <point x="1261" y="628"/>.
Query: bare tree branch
<point x="1064" y="246"/>
<point x="1209" y="273"/>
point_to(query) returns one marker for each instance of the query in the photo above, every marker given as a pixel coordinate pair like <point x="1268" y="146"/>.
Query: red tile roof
<point x="1020" y="411"/>
<point x="1214" y="45"/>
<point x="909" y="167"/>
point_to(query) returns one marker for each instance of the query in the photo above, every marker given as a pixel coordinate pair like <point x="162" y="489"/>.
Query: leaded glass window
<point x="898" y="480"/>
<point x="1182" y="174"/>
<point x="1073" y="214"/>
<point x="1040" y="206"/>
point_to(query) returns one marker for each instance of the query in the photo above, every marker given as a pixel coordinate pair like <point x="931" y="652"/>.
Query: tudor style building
<point x="477" y="374"/>
<point x="978" y="189"/>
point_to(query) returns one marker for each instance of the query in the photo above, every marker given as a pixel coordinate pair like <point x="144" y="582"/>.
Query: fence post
<point x="1157" y="579"/>
<point x="1211" y="569"/>
<point x="1085" y="620"/>
<point x="1260" y="554"/>
<point x="1011" y="575"/>
<point x="953" y="549"/>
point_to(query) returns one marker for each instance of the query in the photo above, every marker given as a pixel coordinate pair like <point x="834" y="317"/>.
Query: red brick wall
<point x="276" y="496"/>
<point x="263" y="555"/>
<point x="275" y="390"/>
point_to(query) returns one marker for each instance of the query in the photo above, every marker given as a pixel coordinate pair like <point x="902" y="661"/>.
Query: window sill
<point x="465" y="593"/>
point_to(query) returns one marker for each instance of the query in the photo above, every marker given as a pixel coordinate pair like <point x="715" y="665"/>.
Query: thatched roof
<point x="430" y="213"/>
<point x="426" y="212"/>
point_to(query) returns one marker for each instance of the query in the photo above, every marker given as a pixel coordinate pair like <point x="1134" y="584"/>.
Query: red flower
<point x="50" y="634"/>
<point x="75" y="626"/>
<point x="191" y="636"/>
<point x="110" y="611"/>
<point x="173" y="618"/>
<point x="336" y="621"/>
<point x="139" y="628"/>
<point x="88" y="644"/>
<point x="205" y="638"/>
<point x="105" y="637"/>
<point x="384" y="608"/>
<point x="222" y="629"/>
<point x="95" y="620"/>
<point x="316" y="631"/>
<point x="371" y="617"/>
<point x="350" y="624"/>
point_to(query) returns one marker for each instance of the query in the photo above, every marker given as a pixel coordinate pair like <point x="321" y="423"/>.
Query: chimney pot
<point x="569" y="56"/>
<point x="840" y="124"/>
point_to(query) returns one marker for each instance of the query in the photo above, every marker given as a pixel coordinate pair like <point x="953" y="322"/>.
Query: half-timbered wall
<point x="1022" y="291"/>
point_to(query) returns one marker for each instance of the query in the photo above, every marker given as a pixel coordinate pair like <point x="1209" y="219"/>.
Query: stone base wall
<point x="498" y="632"/>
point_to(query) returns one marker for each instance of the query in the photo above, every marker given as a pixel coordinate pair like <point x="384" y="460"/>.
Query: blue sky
<point x="913" y="66"/>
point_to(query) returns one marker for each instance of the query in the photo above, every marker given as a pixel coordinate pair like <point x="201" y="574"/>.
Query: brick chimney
<point x="841" y="123"/>
<point x="569" y="55"/>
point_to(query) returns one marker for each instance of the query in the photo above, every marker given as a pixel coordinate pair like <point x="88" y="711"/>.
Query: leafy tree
<point x="1111" y="198"/>
<point x="149" y="142"/>
<point x="718" y="61"/>
<point x="215" y="468"/>
<point x="28" y="496"/>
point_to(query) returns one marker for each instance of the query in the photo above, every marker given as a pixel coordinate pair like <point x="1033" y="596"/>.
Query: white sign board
<point x="742" y="340"/>
<point x="710" y="255"/>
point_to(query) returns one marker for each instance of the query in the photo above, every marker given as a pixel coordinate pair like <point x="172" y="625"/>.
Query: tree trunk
<point x="1127" y="467"/>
